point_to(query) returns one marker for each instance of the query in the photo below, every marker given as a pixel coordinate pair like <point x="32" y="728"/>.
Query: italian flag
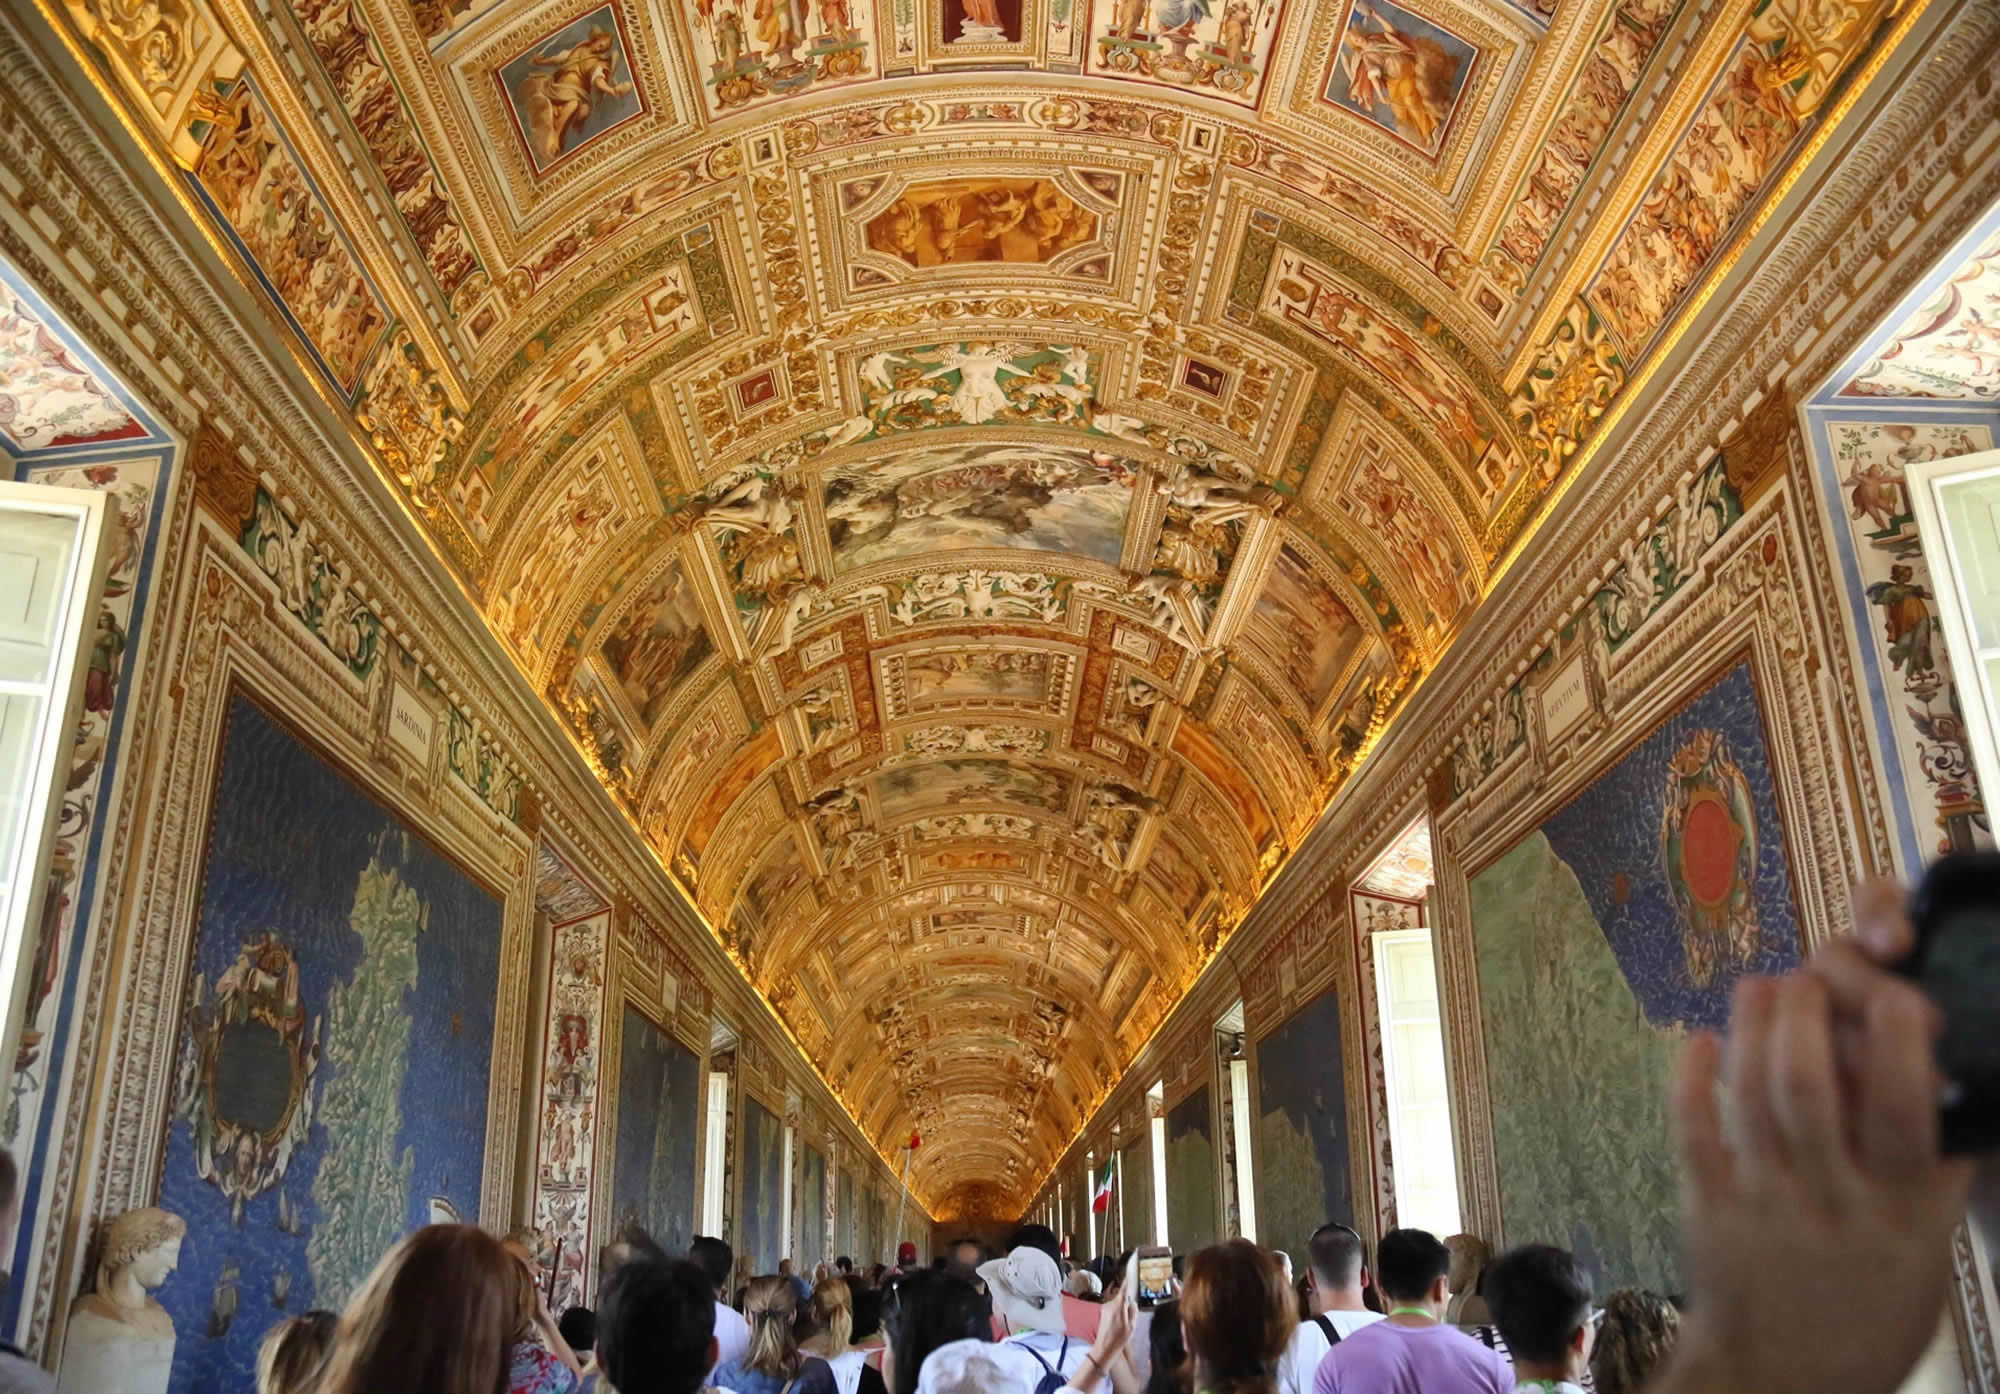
<point x="1100" y="1198"/>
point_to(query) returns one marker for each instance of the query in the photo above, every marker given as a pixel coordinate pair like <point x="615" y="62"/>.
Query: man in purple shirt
<point x="1412" y="1352"/>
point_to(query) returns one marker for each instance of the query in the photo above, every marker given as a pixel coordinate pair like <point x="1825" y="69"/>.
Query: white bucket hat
<point x="1027" y="1289"/>
<point x="978" y="1367"/>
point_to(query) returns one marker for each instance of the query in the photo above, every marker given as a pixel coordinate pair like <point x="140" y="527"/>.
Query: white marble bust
<point x="120" y="1340"/>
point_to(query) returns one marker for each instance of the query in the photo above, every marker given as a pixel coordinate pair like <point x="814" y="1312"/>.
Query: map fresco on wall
<point x="1949" y="347"/>
<point x="812" y="1207"/>
<point x="1601" y="938"/>
<point x="760" y="1218"/>
<point x="1135" y="1192"/>
<point x="1302" y="1175"/>
<point x="335" y="1057"/>
<point x="1901" y="638"/>
<point x="571" y="87"/>
<point x="1401" y="72"/>
<point x="281" y="223"/>
<point x="1191" y="1174"/>
<point x="659" y="1119"/>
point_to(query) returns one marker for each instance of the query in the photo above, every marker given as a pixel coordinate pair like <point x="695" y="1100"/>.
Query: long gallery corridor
<point x="846" y="625"/>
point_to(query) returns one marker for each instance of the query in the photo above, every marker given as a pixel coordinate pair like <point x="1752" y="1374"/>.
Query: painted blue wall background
<point x="655" y="1156"/>
<point x="1302" y="1174"/>
<point x="763" y="1207"/>
<point x="289" y="838"/>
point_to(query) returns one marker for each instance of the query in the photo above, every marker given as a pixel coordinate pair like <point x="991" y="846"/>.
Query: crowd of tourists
<point x="1808" y="1144"/>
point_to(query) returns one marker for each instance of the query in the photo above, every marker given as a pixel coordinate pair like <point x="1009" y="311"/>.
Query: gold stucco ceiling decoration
<point x="975" y="475"/>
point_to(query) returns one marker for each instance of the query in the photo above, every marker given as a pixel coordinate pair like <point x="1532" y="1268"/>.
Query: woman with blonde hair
<point x="539" y="1360"/>
<point x="831" y="1314"/>
<point x="1237" y="1316"/>
<point x="774" y="1364"/>
<point x="1635" y="1336"/>
<point x="294" y="1351"/>
<point x="435" y="1317"/>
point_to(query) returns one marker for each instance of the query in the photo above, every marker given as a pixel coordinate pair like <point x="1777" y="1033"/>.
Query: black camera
<point x="1955" y="910"/>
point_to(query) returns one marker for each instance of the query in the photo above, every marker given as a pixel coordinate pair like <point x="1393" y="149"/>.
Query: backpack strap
<point x="1327" y="1328"/>
<point x="1485" y="1335"/>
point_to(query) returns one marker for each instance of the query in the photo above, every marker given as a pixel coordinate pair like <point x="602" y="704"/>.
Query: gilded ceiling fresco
<point x="975" y="476"/>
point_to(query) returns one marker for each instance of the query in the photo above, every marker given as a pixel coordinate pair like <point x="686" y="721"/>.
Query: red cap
<point x="906" y="1252"/>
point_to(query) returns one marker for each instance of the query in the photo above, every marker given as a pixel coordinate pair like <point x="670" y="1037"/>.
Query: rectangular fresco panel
<point x="1303" y="623"/>
<point x="1402" y="72"/>
<point x="657" y="642"/>
<point x="49" y="397"/>
<point x="1219" y="48"/>
<point x="572" y="87"/>
<point x="952" y="782"/>
<point x="1191" y="1173"/>
<point x="761" y="1213"/>
<point x="335" y="1054"/>
<point x="1135" y="1192"/>
<point x="845" y="1232"/>
<point x="812" y="1208"/>
<point x="1302" y="1175"/>
<point x="940" y="498"/>
<point x="282" y="225"/>
<point x="659" y="1118"/>
<point x="1601" y="938"/>
<point x="750" y="52"/>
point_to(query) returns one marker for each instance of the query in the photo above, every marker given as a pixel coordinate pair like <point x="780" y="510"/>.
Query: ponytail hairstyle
<point x="832" y="1311"/>
<point x="772" y="1307"/>
<point x="1238" y="1314"/>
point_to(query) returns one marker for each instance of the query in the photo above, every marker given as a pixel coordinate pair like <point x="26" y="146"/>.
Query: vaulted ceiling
<point x="974" y="476"/>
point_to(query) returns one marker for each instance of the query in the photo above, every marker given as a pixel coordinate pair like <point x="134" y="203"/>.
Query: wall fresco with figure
<point x="659" y="1120"/>
<point x="760" y="1221"/>
<point x="334" y="1057"/>
<point x="812" y="1208"/>
<point x="844" y="1231"/>
<point x="1191" y="1173"/>
<point x="1302" y="1174"/>
<point x="1601" y="938"/>
<point x="1135" y="1191"/>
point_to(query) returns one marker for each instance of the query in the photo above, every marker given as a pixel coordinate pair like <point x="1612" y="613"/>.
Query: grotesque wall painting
<point x="1601" y="938"/>
<point x="1303" y="1176"/>
<point x="1221" y="48"/>
<point x="1949" y="347"/>
<point x="335" y="1052"/>
<point x="657" y="642"/>
<point x="571" y="87"/>
<point x="971" y="385"/>
<point x="1024" y="221"/>
<point x="659" y="1119"/>
<point x="1191" y="1173"/>
<point x="48" y="396"/>
<point x="1401" y="72"/>
<point x="748" y="52"/>
<point x="1305" y="625"/>
<point x="1056" y="499"/>
<point x="572" y="1040"/>
<point x="1890" y="578"/>
<point x="761" y="1216"/>
<point x="279" y="220"/>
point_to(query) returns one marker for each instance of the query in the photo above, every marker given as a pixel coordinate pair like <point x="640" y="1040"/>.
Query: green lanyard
<point x="1553" y="1386"/>
<point x="1413" y="1312"/>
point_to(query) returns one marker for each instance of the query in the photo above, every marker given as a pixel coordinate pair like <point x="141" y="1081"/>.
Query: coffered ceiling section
<point x="975" y="475"/>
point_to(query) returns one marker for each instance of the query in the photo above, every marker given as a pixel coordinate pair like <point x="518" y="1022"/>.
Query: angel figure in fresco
<point x="1907" y="621"/>
<point x="1413" y="76"/>
<point x="978" y="396"/>
<point x="558" y="102"/>
<point x="1876" y="490"/>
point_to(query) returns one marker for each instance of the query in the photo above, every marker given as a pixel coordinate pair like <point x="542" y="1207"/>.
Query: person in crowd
<point x="1635" y="1335"/>
<point x="1167" y="1345"/>
<point x="906" y="1255"/>
<point x="579" y="1328"/>
<point x="1411" y="1351"/>
<point x="923" y="1312"/>
<point x="878" y="1275"/>
<point x="1237" y="1317"/>
<point x="18" y="1374"/>
<point x="1831" y="1168"/>
<point x="1027" y="1290"/>
<point x="801" y="1289"/>
<point x="843" y="1265"/>
<point x="732" y="1331"/>
<point x="291" y="1355"/>
<point x="437" y="1316"/>
<point x="1083" y="1283"/>
<point x="967" y="1254"/>
<point x="979" y="1367"/>
<point x="539" y="1360"/>
<point x="831" y="1315"/>
<point x="1469" y="1256"/>
<point x="774" y="1363"/>
<point x="656" y="1328"/>
<point x="1541" y="1304"/>
<point x="1335" y="1280"/>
